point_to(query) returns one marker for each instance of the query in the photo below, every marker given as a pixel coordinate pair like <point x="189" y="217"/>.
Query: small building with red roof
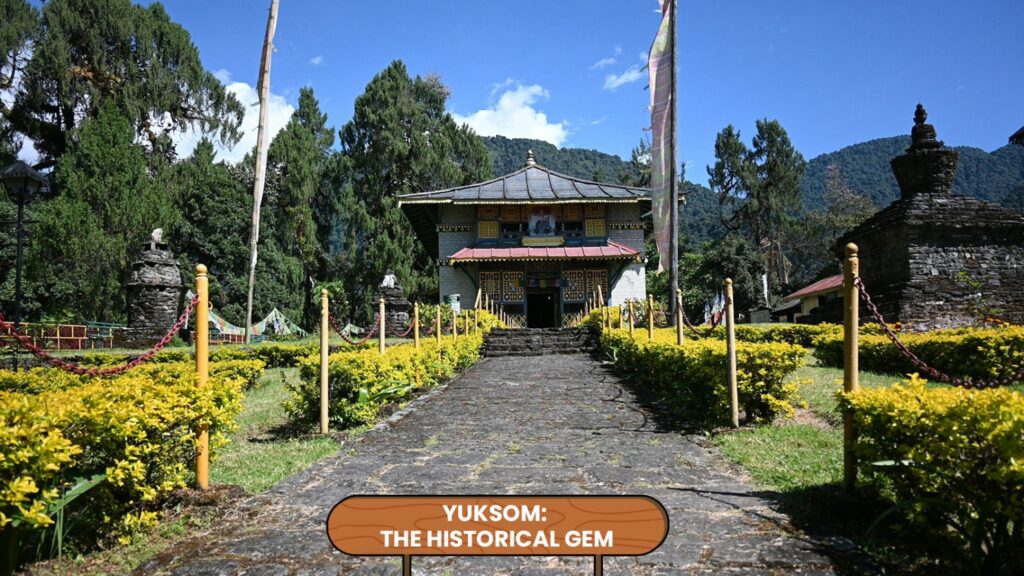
<point x="805" y="300"/>
<point x="538" y="242"/>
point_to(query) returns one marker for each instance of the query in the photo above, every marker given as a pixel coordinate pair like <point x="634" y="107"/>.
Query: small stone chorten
<point x="396" y="307"/>
<point x="154" y="292"/>
<point x="934" y="259"/>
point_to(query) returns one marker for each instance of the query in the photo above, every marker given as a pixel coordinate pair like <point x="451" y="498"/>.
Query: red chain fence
<point x="28" y="343"/>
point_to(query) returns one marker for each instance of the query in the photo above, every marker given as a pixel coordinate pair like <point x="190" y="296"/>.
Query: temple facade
<point x="535" y="241"/>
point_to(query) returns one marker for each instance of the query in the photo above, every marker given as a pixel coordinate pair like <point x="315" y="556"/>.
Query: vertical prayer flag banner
<point x="661" y="68"/>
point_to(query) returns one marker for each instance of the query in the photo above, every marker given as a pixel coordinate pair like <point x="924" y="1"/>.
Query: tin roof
<point x="609" y="251"/>
<point x="830" y="284"/>
<point x="532" y="183"/>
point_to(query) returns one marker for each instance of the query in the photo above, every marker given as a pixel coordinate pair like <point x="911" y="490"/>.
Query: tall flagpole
<point x="673" y="250"/>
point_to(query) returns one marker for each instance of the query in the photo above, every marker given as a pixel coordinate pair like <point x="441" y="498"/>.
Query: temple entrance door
<point x="542" y="308"/>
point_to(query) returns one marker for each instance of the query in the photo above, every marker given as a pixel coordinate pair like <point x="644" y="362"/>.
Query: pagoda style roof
<point x="825" y="285"/>
<point x="532" y="184"/>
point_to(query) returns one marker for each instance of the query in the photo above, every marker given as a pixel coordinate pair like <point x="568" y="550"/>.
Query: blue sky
<point x="832" y="72"/>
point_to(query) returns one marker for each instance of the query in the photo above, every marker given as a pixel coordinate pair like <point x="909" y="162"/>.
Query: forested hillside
<point x="509" y="154"/>
<point x="996" y="176"/>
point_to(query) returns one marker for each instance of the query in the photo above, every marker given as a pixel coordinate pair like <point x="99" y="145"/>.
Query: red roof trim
<point x="612" y="250"/>
<point x="829" y="284"/>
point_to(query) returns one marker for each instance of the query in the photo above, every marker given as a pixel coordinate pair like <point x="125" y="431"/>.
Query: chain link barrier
<point x="395" y="333"/>
<point x="44" y="355"/>
<point x="921" y="364"/>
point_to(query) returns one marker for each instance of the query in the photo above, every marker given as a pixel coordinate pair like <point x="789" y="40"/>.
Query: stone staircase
<point x="537" y="342"/>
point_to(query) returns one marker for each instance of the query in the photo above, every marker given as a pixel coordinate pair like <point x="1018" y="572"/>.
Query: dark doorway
<point x="542" y="309"/>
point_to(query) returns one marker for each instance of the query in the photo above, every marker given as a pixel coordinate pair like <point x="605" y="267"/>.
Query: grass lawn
<point x="261" y="452"/>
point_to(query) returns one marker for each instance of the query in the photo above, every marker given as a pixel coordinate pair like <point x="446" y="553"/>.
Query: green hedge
<point x="953" y="461"/>
<point x="38" y="380"/>
<point x="965" y="352"/>
<point x="272" y="354"/>
<point x="361" y="382"/>
<point x="691" y="380"/>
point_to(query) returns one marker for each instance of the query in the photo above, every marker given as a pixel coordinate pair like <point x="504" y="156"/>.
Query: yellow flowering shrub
<point x="953" y="459"/>
<point x="138" y="429"/>
<point x="32" y="453"/>
<point x="273" y="354"/>
<point x="361" y="382"/>
<point x="692" y="380"/>
<point x="799" y="334"/>
<point x="39" y="380"/>
<point x="979" y="353"/>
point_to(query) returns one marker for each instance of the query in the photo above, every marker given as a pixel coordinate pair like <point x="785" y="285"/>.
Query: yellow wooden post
<point x="465" y="324"/>
<point x="479" y="294"/>
<point x="632" y="313"/>
<point x="437" y="325"/>
<point x="851" y="359"/>
<point x="383" y="325"/>
<point x="650" y="316"/>
<point x="599" y="302"/>
<point x="730" y="340"/>
<point x="416" y="325"/>
<point x="324" y="350"/>
<point x="679" y="317"/>
<point x="622" y="315"/>
<point x="203" y="372"/>
<point x="476" y="318"/>
<point x="455" y="326"/>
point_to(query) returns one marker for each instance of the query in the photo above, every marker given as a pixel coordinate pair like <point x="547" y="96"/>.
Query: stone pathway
<point x="541" y="425"/>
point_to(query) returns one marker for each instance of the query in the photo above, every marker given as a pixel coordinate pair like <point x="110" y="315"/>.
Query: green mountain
<point x="997" y="176"/>
<point x="509" y="154"/>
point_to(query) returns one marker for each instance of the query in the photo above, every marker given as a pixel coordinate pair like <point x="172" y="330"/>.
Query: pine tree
<point x="88" y="54"/>
<point x="400" y="140"/>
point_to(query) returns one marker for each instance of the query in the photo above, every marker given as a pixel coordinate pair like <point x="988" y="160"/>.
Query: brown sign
<point x="497" y="525"/>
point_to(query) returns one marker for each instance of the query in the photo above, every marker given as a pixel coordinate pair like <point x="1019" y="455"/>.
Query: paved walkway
<point x="542" y="425"/>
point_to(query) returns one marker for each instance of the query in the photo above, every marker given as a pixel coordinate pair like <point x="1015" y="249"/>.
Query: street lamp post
<point x="22" y="183"/>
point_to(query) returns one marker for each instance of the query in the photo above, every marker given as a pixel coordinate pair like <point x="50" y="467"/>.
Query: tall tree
<point x="759" y="189"/>
<point x="107" y="205"/>
<point x="399" y="140"/>
<point x="303" y="205"/>
<point x="88" y="54"/>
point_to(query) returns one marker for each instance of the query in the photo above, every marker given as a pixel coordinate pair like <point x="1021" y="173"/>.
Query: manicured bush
<point x="953" y="460"/>
<point x="691" y="380"/>
<point x="977" y="353"/>
<point x="39" y="380"/>
<point x="138" y="429"/>
<point x="361" y="382"/>
<point x="273" y="354"/>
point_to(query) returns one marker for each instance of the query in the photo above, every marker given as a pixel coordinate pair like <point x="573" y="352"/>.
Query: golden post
<point x="455" y="326"/>
<point x="382" y="325"/>
<point x="476" y="318"/>
<point x="437" y="325"/>
<point x="203" y="372"/>
<point x="479" y="295"/>
<point x="622" y="315"/>
<point x="465" y="324"/>
<point x="730" y="344"/>
<point x="324" y="350"/>
<point x="631" y="315"/>
<point x="416" y="325"/>
<point x="650" y="316"/>
<point x="851" y="368"/>
<point x="679" y="317"/>
<point x="600" y="303"/>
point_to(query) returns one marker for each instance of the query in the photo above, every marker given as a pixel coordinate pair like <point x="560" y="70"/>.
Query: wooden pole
<point x="730" y="339"/>
<point x="851" y="359"/>
<point x="622" y="316"/>
<point x="416" y="325"/>
<point x="383" y="325"/>
<point x="679" y="317"/>
<point x="632" y="313"/>
<point x="260" y="171"/>
<point x="650" y="316"/>
<point x="455" y="326"/>
<point x="476" y="318"/>
<point x="203" y="372"/>
<point x="673" y="240"/>
<point x="437" y="324"/>
<point x="324" y="350"/>
<point x="479" y="295"/>
<point x="465" y="324"/>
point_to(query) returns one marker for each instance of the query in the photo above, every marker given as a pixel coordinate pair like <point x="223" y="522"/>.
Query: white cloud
<point x="602" y="63"/>
<point x="316" y="60"/>
<point x="278" y="114"/>
<point x="515" y="117"/>
<point x="598" y="122"/>
<point x="613" y="81"/>
<point x="617" y="49"/>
